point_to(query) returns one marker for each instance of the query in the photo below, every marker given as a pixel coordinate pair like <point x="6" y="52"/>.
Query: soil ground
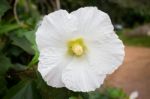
<point x="134" y="74"/>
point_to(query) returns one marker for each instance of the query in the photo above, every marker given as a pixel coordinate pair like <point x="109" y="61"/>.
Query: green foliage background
<point x="19" y="19"/>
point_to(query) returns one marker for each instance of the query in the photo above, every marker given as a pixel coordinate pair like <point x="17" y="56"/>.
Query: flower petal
<point x="51" y="64"/>
<point x="55" y="29"/>
<point x="92" y="22"/>
<point x="106" y="54"/>
<point x="78" y="76"/>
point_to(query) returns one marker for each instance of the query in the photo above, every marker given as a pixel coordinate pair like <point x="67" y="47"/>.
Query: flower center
<point x="76" y="47"/>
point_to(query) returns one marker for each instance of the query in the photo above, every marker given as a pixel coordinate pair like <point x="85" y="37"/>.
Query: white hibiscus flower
<point x="78" y="49"/>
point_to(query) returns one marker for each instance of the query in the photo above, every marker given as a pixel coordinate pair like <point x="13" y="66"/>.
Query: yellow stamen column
<point x="76" y="47"/>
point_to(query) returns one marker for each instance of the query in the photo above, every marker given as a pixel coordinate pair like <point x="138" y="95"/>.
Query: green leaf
<point x="14" y="50"/>
<point x="23" y="43"/>
<point x="23" y="90"/>
<point x="5" y="64"/>
<point x="3" y="87"/>
<point x="19" y="67"/>
<point x="4" y="6"/>
<point x="84" y="95"/>
<point x="95" y="95"/>
<point x="30" y="35"/>
<point x="108" y="93"/>
<point x="34" y="59"/>
<point x="5" y="28"/>
<point x="116" y="93"/>
<point x="73" y="97"/>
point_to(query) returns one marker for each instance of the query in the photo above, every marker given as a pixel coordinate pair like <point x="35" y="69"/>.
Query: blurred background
<point x="19" y="56"/>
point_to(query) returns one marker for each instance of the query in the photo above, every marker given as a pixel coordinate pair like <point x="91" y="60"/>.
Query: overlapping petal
<point x="106" y="54"/>
<point x="51" y="64"/>
<point x="92" y="22"/>
<point x="79" y="76"/>
<point x="55" y="29"/>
